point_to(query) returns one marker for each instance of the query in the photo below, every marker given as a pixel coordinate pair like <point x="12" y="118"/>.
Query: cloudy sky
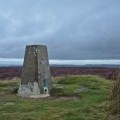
<point x="72" y="29"/>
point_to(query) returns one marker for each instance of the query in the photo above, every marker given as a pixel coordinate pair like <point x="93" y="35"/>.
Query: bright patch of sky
<point x="17" y="62"/>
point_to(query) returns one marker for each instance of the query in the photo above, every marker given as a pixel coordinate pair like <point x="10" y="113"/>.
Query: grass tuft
<point x="114" y="109"/>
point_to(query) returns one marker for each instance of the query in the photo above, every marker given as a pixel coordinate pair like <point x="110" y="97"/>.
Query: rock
<point x="14" y="90"/>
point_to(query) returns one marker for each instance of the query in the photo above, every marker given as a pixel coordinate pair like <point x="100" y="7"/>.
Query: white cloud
<point x="14" y="61"/>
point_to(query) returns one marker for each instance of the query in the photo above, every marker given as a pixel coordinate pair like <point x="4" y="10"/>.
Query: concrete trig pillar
<point x="36" y="76"/>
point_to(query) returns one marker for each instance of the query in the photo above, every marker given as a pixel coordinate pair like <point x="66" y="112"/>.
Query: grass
<point x="73" y="98"/>
<point x="114" y="104"/>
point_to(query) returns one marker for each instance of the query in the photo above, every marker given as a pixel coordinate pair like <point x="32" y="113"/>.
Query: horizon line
<point x="19" y="61"/>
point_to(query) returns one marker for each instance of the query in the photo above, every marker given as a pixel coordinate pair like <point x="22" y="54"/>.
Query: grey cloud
<point x="72" y="29"/>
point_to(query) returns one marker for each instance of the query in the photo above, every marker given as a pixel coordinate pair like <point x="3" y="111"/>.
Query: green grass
<point x="87" y="98"/>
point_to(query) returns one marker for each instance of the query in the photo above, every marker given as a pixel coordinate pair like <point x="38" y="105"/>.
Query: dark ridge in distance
<point x="110" y="72"/>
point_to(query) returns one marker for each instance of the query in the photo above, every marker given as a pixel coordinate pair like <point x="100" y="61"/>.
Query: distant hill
<point x="59" y="70"/>
<point x="88" y="65"/>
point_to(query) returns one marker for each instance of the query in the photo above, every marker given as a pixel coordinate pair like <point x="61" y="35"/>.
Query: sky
<point x="71" y="29"/>
<point x="19" y="62"/>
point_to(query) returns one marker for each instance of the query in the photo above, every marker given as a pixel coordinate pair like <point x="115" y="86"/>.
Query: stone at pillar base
<point x="31" y="91"/>
<point x="40" y="96"/>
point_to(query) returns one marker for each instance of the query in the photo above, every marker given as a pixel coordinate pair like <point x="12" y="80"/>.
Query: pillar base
<point x="31" y="90"/>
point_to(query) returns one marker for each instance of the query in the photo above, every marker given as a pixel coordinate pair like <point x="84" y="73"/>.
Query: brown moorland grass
<point x="114" y="110"/>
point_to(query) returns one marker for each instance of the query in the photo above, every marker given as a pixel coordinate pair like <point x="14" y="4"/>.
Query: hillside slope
<point x="72" y="98"/>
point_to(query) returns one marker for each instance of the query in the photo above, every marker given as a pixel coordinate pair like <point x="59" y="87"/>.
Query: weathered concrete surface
<point x="36" y="77"/>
